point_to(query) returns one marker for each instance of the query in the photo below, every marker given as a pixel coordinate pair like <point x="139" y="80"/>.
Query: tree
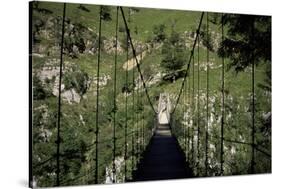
<point x="83" y="8"/>
<point x="39" y="93"/>
<point x="159" y="33"/>
<point x="77" y="80"/>
<point x="173" y="51"/>
<point x="105" y="13"/>
<point x="207" y="39"/>
<point x="248" y="39"/>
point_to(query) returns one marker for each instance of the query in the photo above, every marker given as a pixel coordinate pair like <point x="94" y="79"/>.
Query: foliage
<point x="159" y="34"/>
<point x="207" y="38"/>
<point x="174" y="53"/>
<point x="247" y="40"/>
<point x="76" y="37"/>
<point x="82" y="7"/>
<point x="39" y="91"/>
<point x="105" y="13"/>
<point x="77" y="80"/>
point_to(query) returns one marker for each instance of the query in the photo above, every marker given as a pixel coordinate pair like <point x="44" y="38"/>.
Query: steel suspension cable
<point x="97" y="100"/>
<point x="137" y="62"/>
<point x="188" y="143"/>
<point x="133" y="151"/>
<point x="191" y="113"/>
<point x="189" y="119"/>
<point x="143" y="139"/>
<point x="133" y="109"/>
<point x="188" y="65"/>
<point x="137" y="123"/>
<point x="59" y="99"/>
<point x="253" y="103"/>
<point x="193" y="99"/>
<point x="142" y="124"/>
<point x="223" y="105"/>
<point x="114" y="98"/>
<point x="207" y="102"/>
<point x="185" y="119"/>
<point x="137" y="126"/>
<point x="126" y="108"/>
<point x="198" y="103"/>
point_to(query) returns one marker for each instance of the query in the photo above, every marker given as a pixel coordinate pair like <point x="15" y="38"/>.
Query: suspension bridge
<point x="163" y="156"/>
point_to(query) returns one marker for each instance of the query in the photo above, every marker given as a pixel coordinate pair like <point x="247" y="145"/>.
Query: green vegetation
<point x="174" y="53"/>
<point x="165" y="37"/>
<point x="159" y="33"/>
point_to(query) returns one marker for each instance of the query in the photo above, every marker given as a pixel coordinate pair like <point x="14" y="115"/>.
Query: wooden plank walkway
<point x="163" y="158"/>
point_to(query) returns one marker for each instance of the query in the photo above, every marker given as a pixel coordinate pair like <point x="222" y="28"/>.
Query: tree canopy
<point x="174" y="53"/>
<point x="247" y="40"/>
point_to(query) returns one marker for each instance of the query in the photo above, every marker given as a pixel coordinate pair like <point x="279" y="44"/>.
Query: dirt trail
<point x="131" y="63"/>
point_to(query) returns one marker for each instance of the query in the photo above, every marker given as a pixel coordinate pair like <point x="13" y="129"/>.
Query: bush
<point x="121" y="28"/>
<point x="39" y="93"/>
<point x="174" y="53"/>
<point x="159" y="33"/>
<point x="77" y="80"/>
<point x="105" y="13"/>
<point x="208" y="43"/>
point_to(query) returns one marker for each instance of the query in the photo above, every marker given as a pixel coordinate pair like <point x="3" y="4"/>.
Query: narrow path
<point x="163" y="158"/>
<point x="131" y="63"/>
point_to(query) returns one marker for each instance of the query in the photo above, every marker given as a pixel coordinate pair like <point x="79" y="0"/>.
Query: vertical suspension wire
<point x="133" y="122"/>
<point x="142" y="118"/>
<point x="223" y="106"/>
<point x="114" y="99"/>
<point x="97" y="102"/>
<point x="207" y="103"/>
<point x="126" y="108"/>
<point x="188" y="144"/>
<point x="189" y="120"/>
<point x="133" y="110"/>
<point x="193" y="99"/>
<point x="137" y="126"/>
<point x="185" y="121"/>
<point x="198" y="102"/>
<point x="142" y="124"/>
<point x="31" y="182"/>
<point x="253" y="103"/>
<point x="59" y="99"/>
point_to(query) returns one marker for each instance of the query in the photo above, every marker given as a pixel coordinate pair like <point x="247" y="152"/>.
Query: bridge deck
<point x="163" y="158"/>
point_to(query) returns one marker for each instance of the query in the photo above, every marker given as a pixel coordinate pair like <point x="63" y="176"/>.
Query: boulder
<point x="109" y="46"/>
<point x="71" y="96"/>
